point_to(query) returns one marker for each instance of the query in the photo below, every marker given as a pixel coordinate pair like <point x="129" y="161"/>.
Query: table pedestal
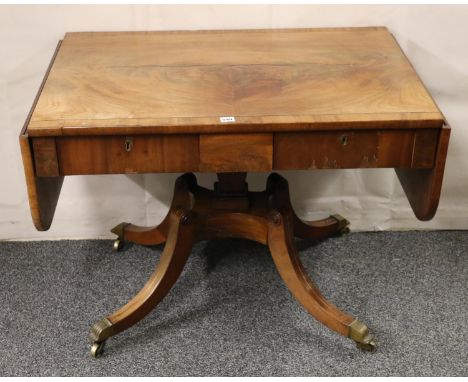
<point x="230" y="210"/>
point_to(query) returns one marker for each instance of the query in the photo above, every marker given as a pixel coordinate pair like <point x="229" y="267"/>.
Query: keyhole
<point x="128" y="144"/>
<point x="344" y="140"/>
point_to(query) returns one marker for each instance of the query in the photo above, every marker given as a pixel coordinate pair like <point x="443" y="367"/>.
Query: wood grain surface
<point x="268" y="80"/>
<point x="45" y="156"/>
<point x="43" y="193"/>
<point x="423" y="186"/>
<point x="236" y="152"/>
<point x="86" y="155"/>
<point x="355" y="149"/>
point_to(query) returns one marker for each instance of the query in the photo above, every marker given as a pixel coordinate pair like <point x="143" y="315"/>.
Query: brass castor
<point x="370" y="346"/>
<point x="342" y="224"/>
<point x="118" y="245"/>
<point x="359" y="332"/>
<point x="343" y="231"/>
<point x="97" y="348"/>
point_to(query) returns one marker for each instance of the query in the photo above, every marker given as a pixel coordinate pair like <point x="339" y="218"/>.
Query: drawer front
<point x="355" y="149"/>
<point x="127" y="154"/>
<point x="236" y="152"/>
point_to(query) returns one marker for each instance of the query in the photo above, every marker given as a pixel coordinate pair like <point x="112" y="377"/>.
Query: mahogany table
<point x="230" y="102"/>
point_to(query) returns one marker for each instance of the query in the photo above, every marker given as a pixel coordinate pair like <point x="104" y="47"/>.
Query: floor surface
<point x="231" y="315"/>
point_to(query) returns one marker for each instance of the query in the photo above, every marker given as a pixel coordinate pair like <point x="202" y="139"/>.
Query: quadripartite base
<point x="230" y="210"/>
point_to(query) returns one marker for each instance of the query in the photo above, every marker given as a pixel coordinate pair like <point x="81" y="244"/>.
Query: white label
<point x="227" y="119"/>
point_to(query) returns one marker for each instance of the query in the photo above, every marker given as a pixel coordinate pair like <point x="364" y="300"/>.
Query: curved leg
<point x="318" y="229"/>
<point x="180" y="239"/>
<point x="157" y="234"/>
<point x="291" y="270"/>
<point x="141" y="235"/>
<point x="266" y="217"/>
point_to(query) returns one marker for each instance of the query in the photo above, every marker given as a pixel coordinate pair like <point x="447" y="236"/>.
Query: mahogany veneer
<point x="231" y="102"/>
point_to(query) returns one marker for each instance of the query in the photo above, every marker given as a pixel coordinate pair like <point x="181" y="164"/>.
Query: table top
<point x="231" y="81"/>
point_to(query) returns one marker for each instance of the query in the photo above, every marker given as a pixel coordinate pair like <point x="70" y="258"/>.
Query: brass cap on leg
<point x="359" y="332"/>
<point x="101" y="330"/>
<point x="343" y="224"/>
<point x="119" y="229"/>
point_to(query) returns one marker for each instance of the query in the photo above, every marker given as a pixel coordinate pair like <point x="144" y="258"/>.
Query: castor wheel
<point x="118" y="245"/>
<point x="369" y="346"/>
<point x="97" y="348"/>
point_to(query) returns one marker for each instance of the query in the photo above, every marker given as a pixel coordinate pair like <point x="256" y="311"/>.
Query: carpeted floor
<point x="230" y="315"/>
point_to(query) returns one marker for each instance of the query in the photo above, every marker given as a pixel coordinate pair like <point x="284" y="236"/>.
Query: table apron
<point x="127" y="154"/>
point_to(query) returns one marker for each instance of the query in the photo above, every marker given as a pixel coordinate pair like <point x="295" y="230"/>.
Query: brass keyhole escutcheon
<point x="128" y="144"/>
<point x="344" y="140"/>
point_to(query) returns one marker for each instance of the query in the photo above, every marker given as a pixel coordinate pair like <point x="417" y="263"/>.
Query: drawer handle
<point x="128" y="144"/>
<point x="344" y="140"/>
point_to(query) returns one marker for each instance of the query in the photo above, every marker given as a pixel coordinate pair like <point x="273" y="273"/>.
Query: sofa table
<point x="230" y="102"/>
